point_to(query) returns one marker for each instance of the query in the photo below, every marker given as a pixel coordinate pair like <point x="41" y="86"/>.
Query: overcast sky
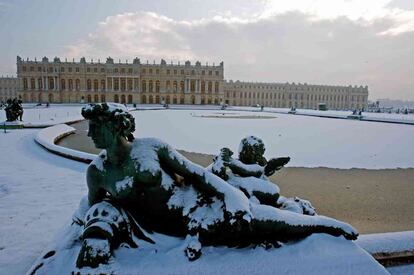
<point x="338" y="42"/>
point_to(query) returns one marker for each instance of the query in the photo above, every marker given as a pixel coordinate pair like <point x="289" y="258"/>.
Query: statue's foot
<point x="93" y="253"/>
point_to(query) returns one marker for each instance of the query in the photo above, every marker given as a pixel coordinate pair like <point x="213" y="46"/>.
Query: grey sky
<point x="322" y="41"/>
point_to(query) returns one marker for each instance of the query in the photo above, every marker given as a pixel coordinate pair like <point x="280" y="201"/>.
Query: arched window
<point x="116" y="98"/>
<point x="40" y="84"/>
<point x="102" y="85"/>
<point x="210" y="87"/>
<point x="168" y="84"/>
<point x="123" y="84"/>
<point x="175" y="87"/>
<point x="157" y="99"/>
<point x="144" y="86"/>
<point x="24" y="83"/>
<point x="103" y="98"/>
<point x="95" y="85"/>
<point x="216" y="87"/>
<point x="203" y="87"/>
<point x="143" y="99"/>
<point x="51" y="83"/>
<point x="62" y="84"/>
<point x="70" y="84"/>
<point x="192" y="86"/>
<point x="129" y="85"/>
<point x="89" y="85"/>
<point x="182" y="86"/>
<point x="167" y="101"/>
<point x="116" y="84"/>
<point x="157" y="86"/>
<point x="129" y="99"/>
<point x="89" y="98"/>
<point x="123" y="101"/>
<point x="150" y="86"/>
<point x="96" y="98"/>
<point x="32" y="84"/>
<point x="150" y="100"/>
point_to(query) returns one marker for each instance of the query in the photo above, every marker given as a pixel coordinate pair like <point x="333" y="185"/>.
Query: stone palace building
<point x="8" y="88"/>
<point x="73" y="82"/>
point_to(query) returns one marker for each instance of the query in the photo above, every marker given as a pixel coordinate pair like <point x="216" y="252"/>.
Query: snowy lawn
<point x="42" y="116"/>
<point x="309" y="141"/>
<point x="39" y="192"/>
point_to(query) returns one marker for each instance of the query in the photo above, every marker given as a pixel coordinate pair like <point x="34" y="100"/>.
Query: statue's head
<point x="108" y="122"/>
<point x="251" y="150"/>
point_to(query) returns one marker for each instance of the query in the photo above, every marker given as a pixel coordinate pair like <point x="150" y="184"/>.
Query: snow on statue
<point x="140" y="186"/>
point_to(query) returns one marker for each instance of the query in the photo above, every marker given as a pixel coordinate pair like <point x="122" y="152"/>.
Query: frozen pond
<point x="309" y="141"/>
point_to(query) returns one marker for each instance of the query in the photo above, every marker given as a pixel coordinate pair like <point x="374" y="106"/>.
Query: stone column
<point x="46" y="83"/>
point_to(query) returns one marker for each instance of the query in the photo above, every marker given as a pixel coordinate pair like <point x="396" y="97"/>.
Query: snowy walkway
<point x="39" y="192"/>
<point x="37" y="117"/>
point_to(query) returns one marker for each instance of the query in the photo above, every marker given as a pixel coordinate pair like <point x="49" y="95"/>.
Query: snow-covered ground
<point x="309" y="141"/>
<point x="393" y="117"/>
<point x="40" y="116"/>
<point x="39" y="191"/>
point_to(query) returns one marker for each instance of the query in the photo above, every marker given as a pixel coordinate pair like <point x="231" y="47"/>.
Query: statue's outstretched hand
<point x="275" y="164"/>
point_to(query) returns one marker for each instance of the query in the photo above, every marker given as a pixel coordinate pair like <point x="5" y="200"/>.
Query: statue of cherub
<point x="250" y="173"/>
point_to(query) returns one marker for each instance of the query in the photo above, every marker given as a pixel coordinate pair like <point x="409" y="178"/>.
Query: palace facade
<point x="299" y="95"/>
<point x="8" y="88"/>
<point x="70" y="82"/>
<point x="74" y="82"/>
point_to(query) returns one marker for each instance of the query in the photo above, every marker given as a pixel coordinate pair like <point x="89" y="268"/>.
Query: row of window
<point x="182" y="72"/>
<point x="122" y="85"/>
<point x="295" y="96"/>
<point x="299" y="88"/>
<point x="289" y="104"/>
<point x="179" y="86"/>
<point x="116" y="70"/>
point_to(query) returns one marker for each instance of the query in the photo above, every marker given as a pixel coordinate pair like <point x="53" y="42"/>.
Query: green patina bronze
<point x="136" y="186"/>
<point x="14" y="109"/>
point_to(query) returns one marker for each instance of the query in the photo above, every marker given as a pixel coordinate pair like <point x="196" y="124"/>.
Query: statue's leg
<point x="105" y="228"/>
<point x="274" y="224"/>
